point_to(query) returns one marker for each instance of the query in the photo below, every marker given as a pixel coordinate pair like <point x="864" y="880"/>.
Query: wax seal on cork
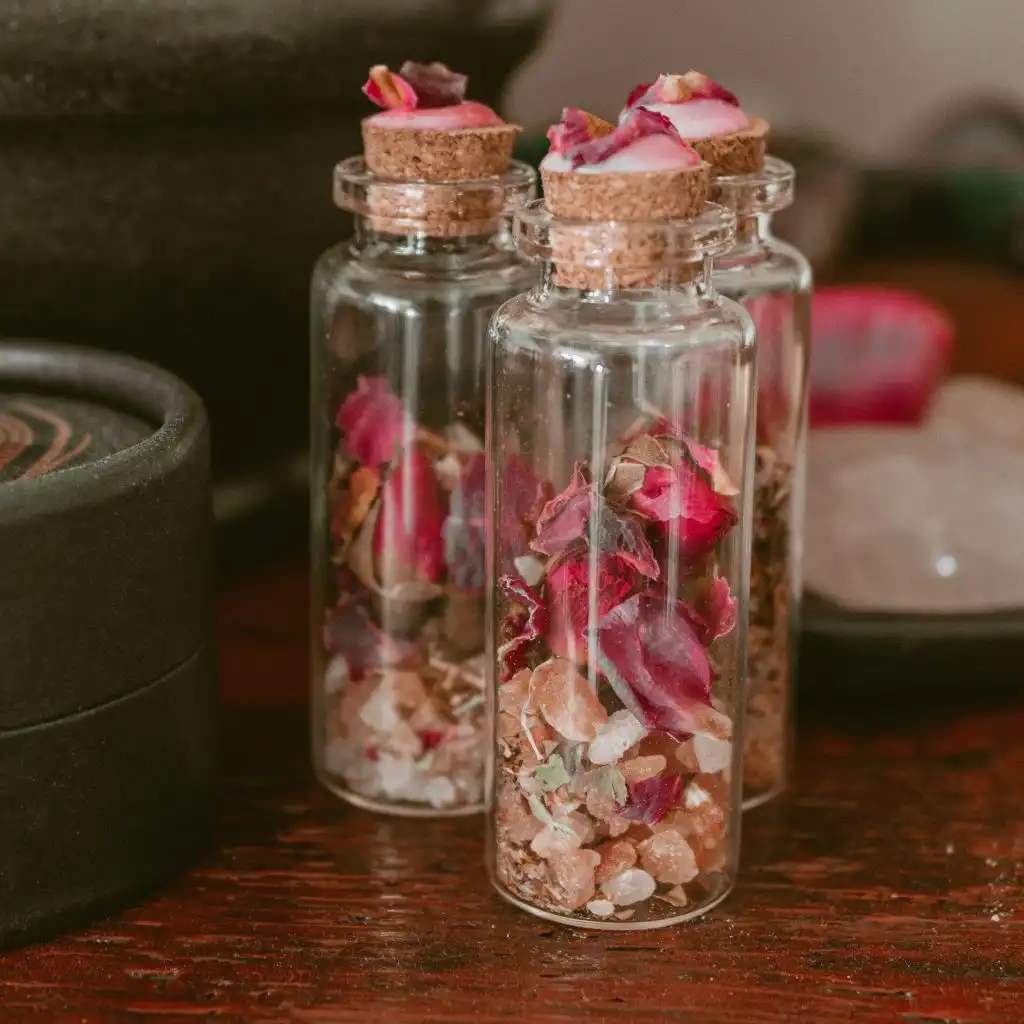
<point x="708" y="117"/>
<point x="107" y="677"/>
<point x="428" y="130"/>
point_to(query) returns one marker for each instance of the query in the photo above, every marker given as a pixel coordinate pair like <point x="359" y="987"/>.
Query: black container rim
<point x="157" y="397"/>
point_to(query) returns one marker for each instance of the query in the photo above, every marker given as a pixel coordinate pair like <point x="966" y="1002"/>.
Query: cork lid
<point x="463" y="207"/>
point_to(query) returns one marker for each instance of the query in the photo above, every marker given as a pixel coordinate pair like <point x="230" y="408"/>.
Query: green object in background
<point x="531" y="149"/>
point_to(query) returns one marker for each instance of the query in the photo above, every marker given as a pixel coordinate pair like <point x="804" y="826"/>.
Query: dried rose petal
<point x="576" y="128"/>
<point x="716" y="609"/>
<point x="704" y="88"/>
<point x="650" y="652"/>
<point x="638" y="124"/>
<point x="683" y="499"/>
<point x="354" y="504"/>
<point x="464" y="528"/>
<point x="637" y="94"/>
<point x="650" y="800"/>
<point x="407" y="541"/>
<point x="524" y="496"/>
<point x="563" y="518"/>
<point x="570" y="596"/>
<point x="350" y="632"/>
<point x="435" y="84"/>
<point x="623" y="534"/>
<point x="520" y="630"/>
<point x="387" y="89"/>
<point x="566" y="700"/>
<point x="373" y="421"/>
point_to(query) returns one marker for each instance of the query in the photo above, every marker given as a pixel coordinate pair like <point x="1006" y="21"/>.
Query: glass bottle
<point x="399" y="325"/>
<point x="621" y="428"/>
<point x="773" y="280"/>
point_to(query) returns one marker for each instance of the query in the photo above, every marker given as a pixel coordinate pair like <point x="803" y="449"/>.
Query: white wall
<point x="869" y="72"/>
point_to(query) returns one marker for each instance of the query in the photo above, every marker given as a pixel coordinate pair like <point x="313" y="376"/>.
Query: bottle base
<point x="396" y="810"/>
<point x="596" y="924"/>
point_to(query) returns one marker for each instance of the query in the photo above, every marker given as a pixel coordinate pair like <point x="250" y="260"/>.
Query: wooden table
<point x="887" y="886"/>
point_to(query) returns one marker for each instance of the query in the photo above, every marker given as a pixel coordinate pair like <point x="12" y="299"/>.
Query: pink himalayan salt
<point x="676" y="896"/>
<point x="550" y="843"/>
<point x="713" y="755"/>
<point x="573" y="873"/>
<point x="603" y="808"/>
<point x="686" y="757"/>
<point x="639" y="769"/>
<point x="566" y="700"/>
<point x="616" y="856"/>
<point x="668" y="857"/>
<point x="621" y="731"/>
<point x="581" y="824"/>
<point x="630" y="886"/>
<point x="601" y="908"/>
<point x="513" y="694"/>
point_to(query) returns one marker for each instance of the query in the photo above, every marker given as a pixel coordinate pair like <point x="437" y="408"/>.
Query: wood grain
<point x="887" y="887"/>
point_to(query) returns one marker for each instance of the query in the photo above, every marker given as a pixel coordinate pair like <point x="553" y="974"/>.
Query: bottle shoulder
<point x="773" y="266"/>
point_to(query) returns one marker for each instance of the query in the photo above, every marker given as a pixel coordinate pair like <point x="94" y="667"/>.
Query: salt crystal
<point x="631" y="886"/>
<point x="915" y="521"/>
<point x="668" y="857"/>
<point x="615" y="737"/>
<point x="639" y="769"/>
<point x="551" y="842"/>
<point x="449" y="471"/>
<point x="676" y="896"/>
<point x="712" y="755"/>
<point x="336" y="675"/>
<point x="439" y="792"/>
<point x="566" y="700"/>
<point x="601" y="908"/>
<point x="380" y="712"/>
<point x="396" y="774"/>
<point x="616" y="855"/>
<point x="531" y="569"/>
<point x="574" y="875"/>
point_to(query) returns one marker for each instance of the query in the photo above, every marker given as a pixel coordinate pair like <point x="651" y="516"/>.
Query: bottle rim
<point x="768" y="190"/>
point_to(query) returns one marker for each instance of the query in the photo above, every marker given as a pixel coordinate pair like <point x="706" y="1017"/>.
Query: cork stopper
<point x="609" y="255"/>
<point x="422" y="154"/>
<point x="738" y="153"/>
<point x="439" y="209"/>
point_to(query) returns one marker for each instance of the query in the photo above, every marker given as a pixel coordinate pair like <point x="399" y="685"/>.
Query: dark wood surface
<point x="887" y="886"/>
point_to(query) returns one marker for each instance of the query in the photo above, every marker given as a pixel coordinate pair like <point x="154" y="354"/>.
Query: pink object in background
<point x="877" y="355"/>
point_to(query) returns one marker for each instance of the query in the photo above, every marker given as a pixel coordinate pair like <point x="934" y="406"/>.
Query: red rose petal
<point x="520" y="630"/>
<point x="564" y="517"/>
<point x="386" y="89"/>
<point x="434" y="85"/>
<point x="650" y="652"/>
<point x="524" y="496"/>
<point x="717" y="610"/>
<point x="623" y="535"/>
<point x="638" y="124"/>
<point x="649" y="801"/>
<point x="570" y="596"/>
<point x="373" y="421"/>
<point x="638" y="93"/>
<point x="431" y="738"/>
<point x="407" y="542"/>
<point x="680" y="89"/>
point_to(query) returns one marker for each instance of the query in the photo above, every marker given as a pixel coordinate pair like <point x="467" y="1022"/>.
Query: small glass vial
<point x="399" y="325"/>
<point x="621" y="428"/>
<point x="773" y="280"/>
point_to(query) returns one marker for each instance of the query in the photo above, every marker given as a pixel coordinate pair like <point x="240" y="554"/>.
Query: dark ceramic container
<point x="107" y="688"/>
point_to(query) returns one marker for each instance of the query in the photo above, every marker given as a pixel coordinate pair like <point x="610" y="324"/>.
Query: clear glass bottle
<point x="399" y="343"/>
<point x="621" y="428"/>
<point x="773" y="280"/>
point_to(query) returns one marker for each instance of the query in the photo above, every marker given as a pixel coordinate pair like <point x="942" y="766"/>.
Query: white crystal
<point x="336" y="675"/>
<point x="622" y="730"/>
<point x="601" y="908"/>
<point x="915" y="521"/>
<point x="396" y="775"/>
<point x="531" y="569"/>
<point x="380" y="712"/>
<point x="449" y="471"/>
<point x="980" y="408"/>
<point x="631" y="886"/>
<point x="439" y="792"/>
<point x="713" y="755"/>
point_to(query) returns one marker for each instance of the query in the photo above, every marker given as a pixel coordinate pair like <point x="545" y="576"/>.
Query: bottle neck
<point x="414" y="243"/>
<point x="753" y="231"/>
<point x="615" y="284"/>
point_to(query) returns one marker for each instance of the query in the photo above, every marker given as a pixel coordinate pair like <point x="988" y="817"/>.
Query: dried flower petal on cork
<point x="575" y="128"/>
<point x="435" y="84"/>
<point x="389" y="90"/>
<point x="639" y="124"/>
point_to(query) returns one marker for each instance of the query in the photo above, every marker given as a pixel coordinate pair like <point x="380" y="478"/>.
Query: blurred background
<point x="165" y="170"/>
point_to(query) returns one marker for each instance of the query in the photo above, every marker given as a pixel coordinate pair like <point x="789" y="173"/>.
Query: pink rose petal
<point x="705" y="88"/>
<point x="680" y="89"/>
<point x="407" y="542"/>
<point x="524" y="496"/>
<point x="563" y="519"/>
<point x="386" y="89"/>
<point x="373" y="421"/>
<point x="569" y="597"/>
<point x="650" y="800"/>
<point x="576" y="128"/>
<point x="434" y="85"/>
<point x="623" y="535"/>
<point x="650" y="652"/>
<point x="638" y="124"/>
<point x="716" y="610"/>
